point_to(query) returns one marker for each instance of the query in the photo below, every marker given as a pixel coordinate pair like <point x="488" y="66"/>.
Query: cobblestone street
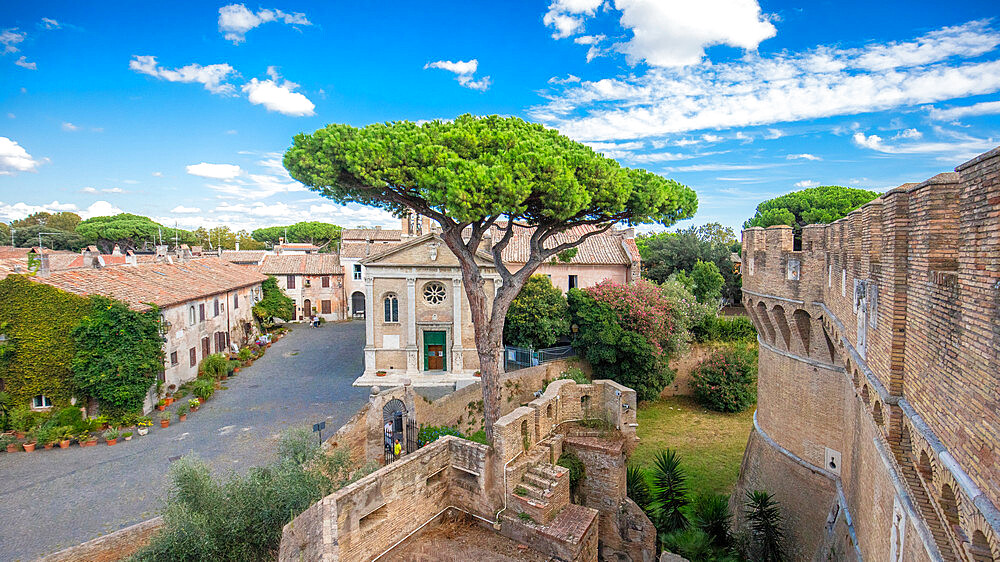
<point x="52" y="499"/>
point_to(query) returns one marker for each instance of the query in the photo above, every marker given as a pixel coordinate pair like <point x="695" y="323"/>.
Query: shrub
<point x="576" y="470"/>
<point x="574" y="374"/>
<point x="691" y="543"/>
<point x="766" y="536"/>
<point x="707" y="282"/>
<point x="636" y="486"/>
<point x="202" y="388"/>
<point x="215" y="366"/>
<point x="274" y="304"/>
<point x="669" y="492"/>
<point x="431" y="433"/>
<point x="736" y="329"/>
<point x="537" y="316"/>
<point x="119" y="353"/>
<point x="711" y="515"/>
<point x="727" y="380"/>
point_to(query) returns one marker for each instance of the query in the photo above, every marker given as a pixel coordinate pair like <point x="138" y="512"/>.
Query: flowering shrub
<point x="629" y="331"/>
<point x="727" y="380"/>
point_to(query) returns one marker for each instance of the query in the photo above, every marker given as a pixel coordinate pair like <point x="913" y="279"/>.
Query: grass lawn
<point x="709" y="443"/>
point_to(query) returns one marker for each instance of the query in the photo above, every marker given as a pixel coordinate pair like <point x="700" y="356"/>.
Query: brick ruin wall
<point x="879" y="379"/>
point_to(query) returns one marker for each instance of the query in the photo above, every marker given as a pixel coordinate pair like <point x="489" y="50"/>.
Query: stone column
<point x="412" y="355"/>
<point x="457" y="358"/>
<point x="369" y="325"/>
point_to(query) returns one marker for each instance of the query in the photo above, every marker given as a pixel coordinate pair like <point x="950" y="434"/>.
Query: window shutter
<point x="325" y="281"/>
<point x="201" y="312"/>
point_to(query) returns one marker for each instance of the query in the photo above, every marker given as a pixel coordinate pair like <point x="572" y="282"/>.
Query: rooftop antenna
<point x="160" y="231"/>
<point x="40" y="238"/>
<point x="175" y="234"/>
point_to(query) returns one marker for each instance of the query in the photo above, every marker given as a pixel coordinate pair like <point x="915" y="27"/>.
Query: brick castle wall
<point x="880" y="371"/>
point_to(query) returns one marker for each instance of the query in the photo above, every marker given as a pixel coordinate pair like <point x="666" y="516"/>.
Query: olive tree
<point x="476" y="174"/>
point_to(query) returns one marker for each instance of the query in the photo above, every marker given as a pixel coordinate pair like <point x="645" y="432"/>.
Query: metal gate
<point x="399" y="430"/>
<point x="521" y="358"/>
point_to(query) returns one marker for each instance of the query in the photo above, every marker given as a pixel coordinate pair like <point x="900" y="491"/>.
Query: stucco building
<point x="314" y="281"/>
<point x="357" y="244"/>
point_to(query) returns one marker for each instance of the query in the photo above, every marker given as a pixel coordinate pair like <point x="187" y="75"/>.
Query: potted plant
<point x="31" y="439"/>
<point x="65" y="435"/>
<point x="182" y="412"/>
<point x="143" y="425"/>
<point x="43" y="435"/>
<point x="165" y="419"/>
<point x="111" y="436"/>
<point x="8" y="442"/>
<point x="380" y="373"/>
<point x="193" y="404"/>
<point x="102" y="422"/>
<point x="127" y="435"/>
<point x="477" y="374"/>
<point x="162" y="404"/>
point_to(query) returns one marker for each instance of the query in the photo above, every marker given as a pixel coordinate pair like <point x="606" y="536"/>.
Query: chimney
<point x="116" y="251"/>
<point x="237" y="246"/>
<point x="161" y="254"/>
<point x="130" y="258"/>
<point x="628" y="232"/>
<point x="368" y="246"/>
<point x="43" y="262"/>
<point x="378" y="227"/>
<point x="99" y="262"/>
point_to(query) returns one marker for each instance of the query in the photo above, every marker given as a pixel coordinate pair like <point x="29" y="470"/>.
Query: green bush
<point x="736" y="329"/>
<point x="274" y="304"/>
<point x="202" y="388"/>
<point x="537" y="316"/>
<point x="431" y="433"/>
<point x="727" y="380"/>
<point x="574" y="374"/>
<point x="636" y="486"/>
<point x="576" y="469"/>
<point x="215" y="366"/>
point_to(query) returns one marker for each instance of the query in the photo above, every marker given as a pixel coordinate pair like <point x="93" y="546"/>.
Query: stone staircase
<point x="542" y="491"/>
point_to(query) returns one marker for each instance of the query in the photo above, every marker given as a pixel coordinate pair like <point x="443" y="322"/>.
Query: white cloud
<point x="784" y="87"/>
<point x="235" y="20"/>
<point x="982" y="108"/>
<point x="711" y="138"/>
<point x="14" y="158"/>
<point x="719" y="167"/>
<point x="278" y="95"/>
<point x="212" y="76"/>
<point x="806" y="183"/>
<point x="959" y="146"/>
<point x="23" y="63"/>
<point x="215" y="171"/>
<point x="569" y="79"/>
<point x="19" y="210"/>
<point x="90" y="190"/>
<point x="67" y="126"/>
<point x="157" y="174"/>
<point x="774" y="134"/>
<point x="183" y="209"/>
<point x="10" y="38"/>
<point x="566" y="16"/>
<point x="464" y="73"/>
<point x="908" y="134"/>
<point x="659" y="157"/>
<point x="113" y="190"/>
<point x="99" y="209"/>
<point x="803" y="156"/>
<point x="49" y="23"/>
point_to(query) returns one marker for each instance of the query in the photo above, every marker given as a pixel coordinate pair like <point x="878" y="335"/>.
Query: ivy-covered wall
<point x="40" y="320"/>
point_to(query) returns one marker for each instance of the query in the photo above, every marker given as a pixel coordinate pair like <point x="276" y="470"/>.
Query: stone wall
<point x="880" y="366"/>
<point x="111" y="547"/>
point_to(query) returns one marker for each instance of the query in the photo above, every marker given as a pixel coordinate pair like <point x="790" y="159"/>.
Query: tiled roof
<point x="15" y="252"/>
<point x="302" y="264"/>
<point x="161" y="284"/>
<point x="358" y="250"/>
<point x="297" y="246"/>
<point x="379" y="234"/>
<point x="243" y="256"/>
<point x="608" y="248"/>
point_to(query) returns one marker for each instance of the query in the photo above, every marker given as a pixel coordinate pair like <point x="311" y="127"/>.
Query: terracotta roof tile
<point x="358" y="250"/>
<point x="302" y="264"/>
<point x="380" y="234"/>
<point x="243" y="256"/>
<point x="601" y="249"/>
<point x="161" y="284"/>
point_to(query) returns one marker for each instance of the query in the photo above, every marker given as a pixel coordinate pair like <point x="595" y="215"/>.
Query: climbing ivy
<point x="39" y="356"/>
<point x="274" y="304"/>
<point x="119" y="353"/>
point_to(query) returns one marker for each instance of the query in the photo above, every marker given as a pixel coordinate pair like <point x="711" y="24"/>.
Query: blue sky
<point x="182" y="111"/>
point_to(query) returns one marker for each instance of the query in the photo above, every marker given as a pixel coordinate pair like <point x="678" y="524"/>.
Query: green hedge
<point x="725" y="329"/>
<point x="40" y="319"/>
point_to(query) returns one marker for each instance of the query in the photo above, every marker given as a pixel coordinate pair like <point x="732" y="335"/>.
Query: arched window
<point x="192" y="317"/>
<point x="391" y="308"/>
<point x="215" y="302"/>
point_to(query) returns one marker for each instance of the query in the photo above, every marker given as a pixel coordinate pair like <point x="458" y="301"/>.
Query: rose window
<point x="434" y="293"/>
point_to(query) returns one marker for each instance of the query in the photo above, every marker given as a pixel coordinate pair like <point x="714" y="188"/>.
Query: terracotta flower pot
<point x="161" y="408"/>
<point x="129" y="438"/>
<point x="380" y="373"/>
<point x="201" y="400"/>
<point x="112" y="442"/>
<point x="170" y="400"/>
<point x="19" y="435"/>
<point x="236" y="370"/>
<point x="29" y="447"/>
<point x="12" y="448"/>
<point x="182" y="417"/>
<point x="49" y="445"/>
<point x="195" y="409"/>
<point x="92" y="442"/>
<point x="64" y="444"/>
<point x="164" y="423"/>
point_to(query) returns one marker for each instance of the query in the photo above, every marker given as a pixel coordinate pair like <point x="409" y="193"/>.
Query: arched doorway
<point x="307" y="309"/>
<point x="358" y="304"/>
<point x="397" y="428"/>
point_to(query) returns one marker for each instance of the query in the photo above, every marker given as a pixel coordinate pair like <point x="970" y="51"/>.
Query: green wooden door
<point x="435" y="351"/>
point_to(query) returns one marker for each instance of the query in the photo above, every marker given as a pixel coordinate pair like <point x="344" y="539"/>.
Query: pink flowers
<point x="641" y="307"/>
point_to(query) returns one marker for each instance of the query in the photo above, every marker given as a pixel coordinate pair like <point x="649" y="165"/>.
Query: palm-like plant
<point x="765" y="519"/>
<point x="668" y="492"/>
<point x="636" y="486"/>
<point x="711" y="515"/>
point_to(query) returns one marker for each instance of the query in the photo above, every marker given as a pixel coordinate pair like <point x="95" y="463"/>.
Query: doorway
<point x="307" y="310"/>
<point x="434" y="351"/>
<point x="358" y="304"/>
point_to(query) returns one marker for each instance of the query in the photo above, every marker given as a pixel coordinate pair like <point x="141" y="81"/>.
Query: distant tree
<point x="317" y="233"/>
<point x="537" y="316"/>
<point x="707" y="282"/>
<point x="269" y="235"/>
<point x="60" y="221"/>
<point x="816" y="205"/>
<point x="666" y="253"/>
<point x="4" y="234"/>
<point x="247" y="242"/>
<point x="52" y="238"/>
<point x="130" y="232"/>
<point x="473" y="173"/>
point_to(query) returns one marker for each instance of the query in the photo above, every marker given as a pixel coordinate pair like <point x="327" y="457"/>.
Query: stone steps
<point x="542" y="491"/>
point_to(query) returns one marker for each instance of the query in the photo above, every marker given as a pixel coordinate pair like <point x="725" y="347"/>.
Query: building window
<point x="192" y="318"/>
<point x="357" y="271"/>
<point x="173" y="359"/>
<point x="290" y="283"/>
<point x="324" y="281"/>
<point x="193" y="353"/>
<point x="201" y="312"/>
<point x="391" y="308"/>
<point x="573" y="282"/>
<point x="434" y="292"/>
<point x="236" y="300"/>
<point x="41" y="401"/>
<point x="215" y="303"/>
<point x="326" y="308"/>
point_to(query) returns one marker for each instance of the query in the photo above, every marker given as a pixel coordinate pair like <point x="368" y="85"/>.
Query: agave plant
<point x="669" y="492"/>
<point x="636" y="486"/>
<point x="764" y="516"/>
